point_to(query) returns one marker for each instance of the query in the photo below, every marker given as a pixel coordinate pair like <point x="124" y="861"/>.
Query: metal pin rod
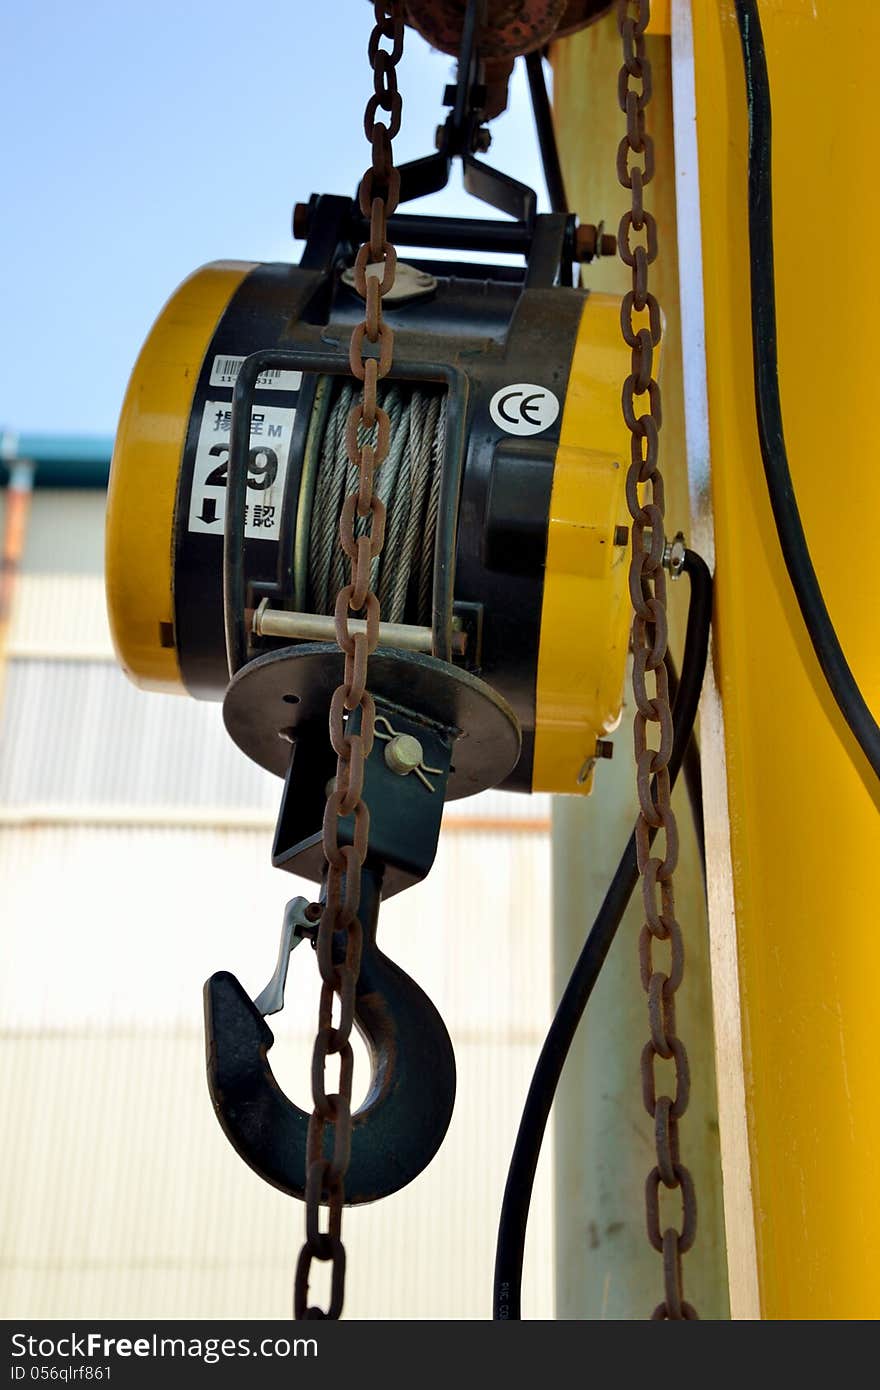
<point x="316" y="627"/>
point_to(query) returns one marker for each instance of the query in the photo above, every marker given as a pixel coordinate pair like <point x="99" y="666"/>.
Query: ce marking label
<point x="524" y="408"/>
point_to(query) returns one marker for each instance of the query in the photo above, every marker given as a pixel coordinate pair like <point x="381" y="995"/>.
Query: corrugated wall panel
<point x="60" y="616"/>
<point x="121" y="1195"/>
<point x="77" y="733"/>
<point x="118" y="928"/>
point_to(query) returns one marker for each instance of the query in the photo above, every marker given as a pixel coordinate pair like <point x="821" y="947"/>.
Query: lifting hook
<point x="402" y="1122"/>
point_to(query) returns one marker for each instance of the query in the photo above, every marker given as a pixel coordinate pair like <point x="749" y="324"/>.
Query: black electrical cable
<point x="792" y="540"/>
<point x="524" y="1162"/>
<point x="546" y="132"/>
<point x="693" y="772"/>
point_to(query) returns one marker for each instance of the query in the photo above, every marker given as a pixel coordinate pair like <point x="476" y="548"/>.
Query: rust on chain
<point x="641" y="404"/>
<point x="361" y="535"/>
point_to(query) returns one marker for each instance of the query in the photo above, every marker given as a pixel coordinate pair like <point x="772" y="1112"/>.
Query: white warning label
<point x="226" y="369"/>
<point x="271" y="433"/>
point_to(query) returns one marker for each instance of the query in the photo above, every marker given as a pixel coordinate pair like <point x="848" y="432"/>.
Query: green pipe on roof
<point x="59" y="460"/>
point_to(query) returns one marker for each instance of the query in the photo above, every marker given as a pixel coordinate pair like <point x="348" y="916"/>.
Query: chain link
<point x="637" y="243"/>
<point x="367" y="440"/>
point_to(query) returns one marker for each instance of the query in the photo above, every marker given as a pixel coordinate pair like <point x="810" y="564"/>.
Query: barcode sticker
<point x="226" y="369"/>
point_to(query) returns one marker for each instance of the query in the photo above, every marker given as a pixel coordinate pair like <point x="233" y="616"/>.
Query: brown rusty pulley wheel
<point x="511" y="30"/>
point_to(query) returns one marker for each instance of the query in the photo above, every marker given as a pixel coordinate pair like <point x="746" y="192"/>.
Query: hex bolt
<point x="482" y="140"/>
<point x="585" y="242"/>
<point x="604" y="748"/>
<point x="301" y="219"/>
<point x="674" y="554"/>
<point x="621" y="535"/>
<point x="403" y="754"/>
<point x="590" y="241"/>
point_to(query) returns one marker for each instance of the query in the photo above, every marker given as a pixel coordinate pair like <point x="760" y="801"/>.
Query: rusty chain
<point x="367" y="441"/>
<point x="647" y="586"/>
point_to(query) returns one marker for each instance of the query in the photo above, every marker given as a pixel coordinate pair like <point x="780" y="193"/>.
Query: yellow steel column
<point x="804" y="830"/>
<point x="802" y="825"/>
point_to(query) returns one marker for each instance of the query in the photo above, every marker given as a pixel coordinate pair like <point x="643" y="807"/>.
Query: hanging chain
<point x="647" y="586"/>
<point x="378" y="196"/>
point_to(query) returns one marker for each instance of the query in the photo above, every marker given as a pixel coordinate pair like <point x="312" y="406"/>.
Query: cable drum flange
<point x="283" y="696"/>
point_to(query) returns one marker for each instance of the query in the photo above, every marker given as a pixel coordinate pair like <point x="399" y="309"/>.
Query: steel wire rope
<point x="408" y="483"/>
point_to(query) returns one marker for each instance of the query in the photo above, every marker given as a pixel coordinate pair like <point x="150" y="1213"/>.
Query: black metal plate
<point x="286" y="694"/>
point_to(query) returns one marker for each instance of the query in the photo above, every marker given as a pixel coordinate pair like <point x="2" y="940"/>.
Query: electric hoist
<point x="490" y="618"/>
<point x="507" y="526"/>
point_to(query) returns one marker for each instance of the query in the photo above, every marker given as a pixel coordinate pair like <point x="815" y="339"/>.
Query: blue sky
<point x="140" y="141"/>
